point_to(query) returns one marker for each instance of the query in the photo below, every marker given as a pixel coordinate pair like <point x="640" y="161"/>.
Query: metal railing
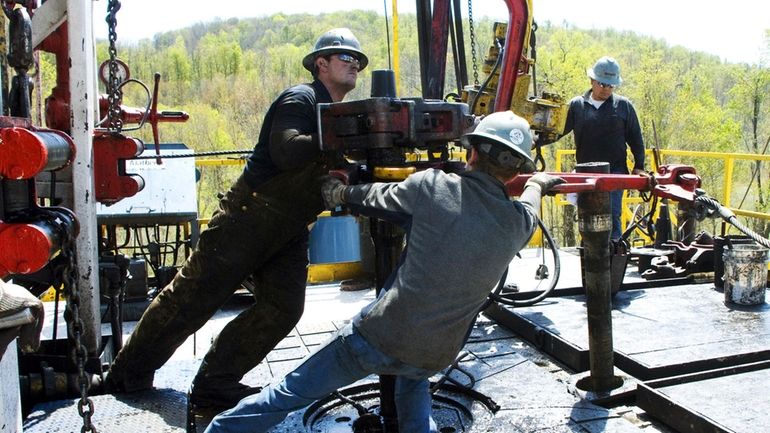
<point x="561" y="161"/>
<point x="721" y="191"/>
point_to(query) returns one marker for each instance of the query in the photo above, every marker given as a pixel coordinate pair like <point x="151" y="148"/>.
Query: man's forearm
<point x="531" y="197"/>
<point x="289" y="149"/>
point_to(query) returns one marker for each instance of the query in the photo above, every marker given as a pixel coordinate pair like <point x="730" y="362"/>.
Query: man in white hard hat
<point x="259" y="230"/>
<point x="466" y="219"/>
<point x="603" y="124"/>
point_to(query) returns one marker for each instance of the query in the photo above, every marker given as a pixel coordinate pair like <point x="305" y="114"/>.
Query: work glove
<point x="331" y="191"/>
<point x="544" y="181"/>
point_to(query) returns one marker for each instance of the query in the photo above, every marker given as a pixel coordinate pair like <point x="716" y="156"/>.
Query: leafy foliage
<point x="225" y="73"/>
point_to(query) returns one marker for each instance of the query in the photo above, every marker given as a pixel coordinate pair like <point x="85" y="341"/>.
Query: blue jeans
<point x="616" y="204"/>
<point x="344" y="359"/>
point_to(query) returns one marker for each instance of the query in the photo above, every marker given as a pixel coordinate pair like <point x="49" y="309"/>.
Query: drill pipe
<point x="595" y="224"/>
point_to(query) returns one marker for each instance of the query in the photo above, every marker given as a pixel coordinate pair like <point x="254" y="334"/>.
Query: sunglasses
<point x="349" y="58"/>
<point x="605" y="86"/>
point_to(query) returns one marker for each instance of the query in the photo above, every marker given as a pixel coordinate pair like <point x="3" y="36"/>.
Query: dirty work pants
<point x="344" y="359"/>
<point x="251" y="234"/>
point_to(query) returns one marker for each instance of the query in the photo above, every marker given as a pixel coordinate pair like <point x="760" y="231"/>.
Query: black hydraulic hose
<point x="359" y="408"/>
<point x="649" y="231"/>
<point x="485" y="84"/>
<point x="495" y="295"/>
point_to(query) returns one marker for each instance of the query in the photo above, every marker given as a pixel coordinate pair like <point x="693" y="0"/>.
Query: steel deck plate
<point x="497" y="365"/>
<point x="534" y="393"/>
<point x="716" y="401"/>
<point x="657" y="332"/>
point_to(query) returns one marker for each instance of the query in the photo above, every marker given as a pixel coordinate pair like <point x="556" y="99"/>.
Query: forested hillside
<point x="226" y="73"/>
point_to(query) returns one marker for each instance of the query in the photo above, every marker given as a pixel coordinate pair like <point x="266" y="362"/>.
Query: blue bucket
<point x="334" y="239"/>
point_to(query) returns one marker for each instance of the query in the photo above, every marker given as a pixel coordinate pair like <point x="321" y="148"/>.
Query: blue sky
<point x="733" y="30"/>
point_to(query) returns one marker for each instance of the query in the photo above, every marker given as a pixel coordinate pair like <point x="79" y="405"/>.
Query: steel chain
<point x="75" y="327"/>
<point x="68" y="274"/>
<point x="114" y="92"/>
<point x="472" y="35"/>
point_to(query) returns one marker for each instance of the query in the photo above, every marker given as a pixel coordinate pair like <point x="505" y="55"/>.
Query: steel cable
<point x="727" y="215"/>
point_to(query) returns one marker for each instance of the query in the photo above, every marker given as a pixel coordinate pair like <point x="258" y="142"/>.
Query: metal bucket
<point x="745" y="278"/>
<point x="334" y="239"/>
<point x="720" y="243"/>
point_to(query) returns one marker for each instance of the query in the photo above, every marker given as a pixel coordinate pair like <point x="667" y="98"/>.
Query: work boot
<point x="222" y="395"/>
<point x="116" y="383"/>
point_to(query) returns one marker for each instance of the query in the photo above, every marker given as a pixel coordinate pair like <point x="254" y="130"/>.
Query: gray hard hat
<point x="505" y="138"/>
<point x="336" y="41"/>
<point x="606" y="70"/>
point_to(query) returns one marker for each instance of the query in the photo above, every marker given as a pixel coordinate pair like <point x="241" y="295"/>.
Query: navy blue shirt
<point x="601" y="134"/>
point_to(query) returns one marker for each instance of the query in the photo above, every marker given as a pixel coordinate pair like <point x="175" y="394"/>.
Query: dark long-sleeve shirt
<point x="602" y="134"/>
<point x="462" y="231"/>
<point x="288" y="139"/>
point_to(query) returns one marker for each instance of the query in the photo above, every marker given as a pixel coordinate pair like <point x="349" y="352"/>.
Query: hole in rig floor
<point x="453" y="411"/>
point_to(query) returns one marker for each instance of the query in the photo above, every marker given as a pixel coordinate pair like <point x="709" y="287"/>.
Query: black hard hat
<point x="335" y="41"/>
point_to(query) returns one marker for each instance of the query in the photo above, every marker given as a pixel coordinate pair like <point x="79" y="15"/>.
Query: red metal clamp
<point x="111" y="182"/>
<point x="677" y="182"/>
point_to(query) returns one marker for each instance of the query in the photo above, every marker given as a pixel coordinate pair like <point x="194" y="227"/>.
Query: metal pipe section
<point x="25" y="153"/>
<point x="595" y="224"/>
<point x="388" y="241"/>
<point x="83" y="88"/>
<point x="519" y="24"/>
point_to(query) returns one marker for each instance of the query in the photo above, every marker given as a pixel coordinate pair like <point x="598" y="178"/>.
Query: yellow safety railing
<point x="728" y="162"/>
<point x="561" y="162"/>
<point x="454" y="155"/>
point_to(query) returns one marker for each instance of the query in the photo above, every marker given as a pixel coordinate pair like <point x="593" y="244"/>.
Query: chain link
<point x="472" y="35"/>
<point x="114" y="91"/>
<point x="67" y="274"/>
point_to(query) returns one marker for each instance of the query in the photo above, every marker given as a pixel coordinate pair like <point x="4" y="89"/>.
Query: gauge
<point x="122" y="72"/>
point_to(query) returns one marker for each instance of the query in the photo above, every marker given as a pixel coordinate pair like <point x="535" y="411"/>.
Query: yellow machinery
<point x="546" y="114"/>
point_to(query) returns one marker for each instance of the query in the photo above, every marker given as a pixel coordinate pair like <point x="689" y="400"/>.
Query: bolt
<point x="22" y="233"/>
<point x="23" y="267"/>
<point x="16" y="172"/>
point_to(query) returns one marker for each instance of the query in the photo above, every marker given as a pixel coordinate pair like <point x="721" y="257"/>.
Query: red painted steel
<point x="111" y="182"/>
<point x="513" y="61"/>
<point x="677" y="182"/>
<point x="26" y="248"/>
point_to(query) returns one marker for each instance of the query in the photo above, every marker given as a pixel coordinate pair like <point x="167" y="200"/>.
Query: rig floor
<point x="690" y="363"/>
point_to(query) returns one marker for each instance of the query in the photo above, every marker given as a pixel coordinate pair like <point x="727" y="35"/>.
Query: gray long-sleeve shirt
<point x="463" y="233"/>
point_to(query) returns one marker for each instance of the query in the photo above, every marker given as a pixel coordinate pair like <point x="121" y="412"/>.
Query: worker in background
<point x="462" y="232"/>
<point x="603" y="124"/>
<point x="260" y="229"/>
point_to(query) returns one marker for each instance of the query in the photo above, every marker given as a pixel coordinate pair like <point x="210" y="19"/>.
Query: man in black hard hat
<point x="453" y="219"/>
<point x="259" y="230"/>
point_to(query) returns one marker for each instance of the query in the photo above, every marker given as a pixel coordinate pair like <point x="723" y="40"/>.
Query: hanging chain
<point x="473" y="45"/>
<point x="75" y="327"/>
<point x="114" y="92"/>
